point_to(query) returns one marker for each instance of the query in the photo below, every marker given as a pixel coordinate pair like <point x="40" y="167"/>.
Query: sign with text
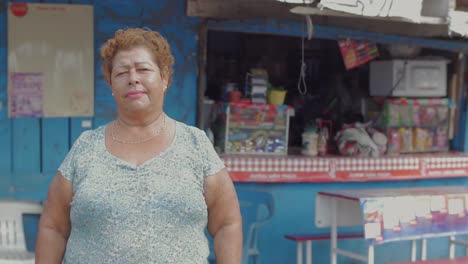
<point x="26" y="94"/>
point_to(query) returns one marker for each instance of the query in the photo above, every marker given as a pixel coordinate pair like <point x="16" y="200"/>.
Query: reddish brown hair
<point x="134" y="37"/>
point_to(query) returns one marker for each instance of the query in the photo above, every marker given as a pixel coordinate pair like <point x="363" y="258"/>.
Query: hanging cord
<point x="301" y="84"/>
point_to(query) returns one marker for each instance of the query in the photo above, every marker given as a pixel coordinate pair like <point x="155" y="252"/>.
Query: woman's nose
<point x="133" y="78"/>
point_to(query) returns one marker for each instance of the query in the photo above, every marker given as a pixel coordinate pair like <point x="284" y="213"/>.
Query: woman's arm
<point x="224" y="218"/>
<point x="54" y="226"/>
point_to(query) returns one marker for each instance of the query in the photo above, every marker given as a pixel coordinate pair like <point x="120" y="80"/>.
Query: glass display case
<point x="416" y="125"/>
<point x="257" y="129"/>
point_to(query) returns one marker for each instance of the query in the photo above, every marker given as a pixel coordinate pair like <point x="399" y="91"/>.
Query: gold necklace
<point x="156" y="133"/>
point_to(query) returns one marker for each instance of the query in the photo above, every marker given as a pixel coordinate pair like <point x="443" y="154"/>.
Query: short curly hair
<point x="134" y="37"/>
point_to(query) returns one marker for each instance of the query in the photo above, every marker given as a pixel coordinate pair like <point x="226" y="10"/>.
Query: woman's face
<point x="136" y="81"/>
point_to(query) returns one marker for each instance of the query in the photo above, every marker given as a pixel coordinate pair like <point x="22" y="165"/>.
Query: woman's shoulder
<point x="90" y="136"/>
<point x="189" y="132"/>
<point x="188" y="128"/>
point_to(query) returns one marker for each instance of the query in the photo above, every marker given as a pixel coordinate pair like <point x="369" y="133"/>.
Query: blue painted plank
<point x="30" y="227"/>
<point x="22" y="1"/>
<point x="102" y="90"/>
<point x="5" y="157"/>
<point x="324" y="32"/>
<point x="3" y="99"/>
<point x="101" y="121"/>
<point x="6" y="146"/>
<point x="3" y="64"/>
<point x="5" y="184"/>
<point x="31" y="186"/>
<point x="105" y="107"/>
<point x="118" y="10"/>
<point x="5" y="123"/>
<point x="182" y="91"/>
<point x="3" y="55"/>
<point x="84" y="2"/>
<point x="105" y="30"/>
<point x="56" y="2"/>
<point x="77" y="126"/>
<point x="463" y="130"/>
<point x="3" y="81"/>
<point x="26" y="146"/>
<point x="55" y="143"/>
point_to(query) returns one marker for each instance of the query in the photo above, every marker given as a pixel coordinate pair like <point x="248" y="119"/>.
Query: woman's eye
<point x="120" y="73"/>
<point x="143" y="69"/>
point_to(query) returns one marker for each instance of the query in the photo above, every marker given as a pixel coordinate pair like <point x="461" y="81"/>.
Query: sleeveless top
<point x="151" y="213"/>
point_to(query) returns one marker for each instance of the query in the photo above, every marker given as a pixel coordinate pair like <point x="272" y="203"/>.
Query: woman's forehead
<point x="133" y="56"/>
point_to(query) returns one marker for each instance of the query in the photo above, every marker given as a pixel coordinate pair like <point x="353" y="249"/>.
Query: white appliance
<point x="408" y="78"/>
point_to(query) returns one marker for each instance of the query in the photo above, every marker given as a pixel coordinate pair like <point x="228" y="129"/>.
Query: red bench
<point x="308" y="238"/>
<point x="463" y="260"/>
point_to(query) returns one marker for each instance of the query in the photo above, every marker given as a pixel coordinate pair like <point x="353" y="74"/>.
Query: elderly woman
<point x="143" y="188"/>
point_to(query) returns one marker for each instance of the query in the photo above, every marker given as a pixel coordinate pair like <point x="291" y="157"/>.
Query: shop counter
<point x="290" y="168"/>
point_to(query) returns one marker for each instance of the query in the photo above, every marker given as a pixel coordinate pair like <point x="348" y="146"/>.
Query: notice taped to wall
<point x="50" y="60"/>
<point x="26" y="94"/>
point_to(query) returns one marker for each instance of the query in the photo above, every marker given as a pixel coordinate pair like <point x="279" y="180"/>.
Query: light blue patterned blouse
<point x="153" y="213"/>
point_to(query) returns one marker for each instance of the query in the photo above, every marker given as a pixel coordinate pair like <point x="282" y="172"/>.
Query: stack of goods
<point x="360" y="140"/>
<point x="257" y="129"/>
<point x="315" y="139"/>
<point x="416" y="125"/>
<point x="258" y="83"/>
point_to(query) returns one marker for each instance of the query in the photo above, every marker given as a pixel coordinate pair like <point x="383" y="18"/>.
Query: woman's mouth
<point x="134" y="94"/>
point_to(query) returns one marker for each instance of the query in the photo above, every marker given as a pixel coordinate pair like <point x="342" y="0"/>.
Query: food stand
<point x="294" y="178"/>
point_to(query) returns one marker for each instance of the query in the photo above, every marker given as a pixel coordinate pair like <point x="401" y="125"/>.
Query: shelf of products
<point x="260" y="129"/>
<point x="416" y="125"/>
<point x="250" y="168"/>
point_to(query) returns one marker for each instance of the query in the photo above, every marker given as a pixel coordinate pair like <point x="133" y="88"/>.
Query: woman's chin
<point x="136" y="107"/>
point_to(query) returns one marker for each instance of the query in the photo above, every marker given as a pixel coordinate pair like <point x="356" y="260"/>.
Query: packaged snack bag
<point x="428" y="116"/>
<point x="441" y="138"/>
<point x="442" y="115"/>
<point x="420" y="139"/>
<point x="392" y="115"/>
<point x="394" y="141"/>
<point x="405" y="112"/>
<point x="415" y="115"/>
<point x="406" y="140"/>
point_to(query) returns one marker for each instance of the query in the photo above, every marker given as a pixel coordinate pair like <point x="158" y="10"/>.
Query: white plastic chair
<point x="252" y="219"/>
<point x="12" y="239"/>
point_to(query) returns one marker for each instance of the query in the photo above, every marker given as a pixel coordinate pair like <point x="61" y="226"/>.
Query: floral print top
<point x="151" y="213"/>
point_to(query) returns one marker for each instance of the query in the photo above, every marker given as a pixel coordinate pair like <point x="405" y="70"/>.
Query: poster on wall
<point x="50" y="60"/>
<point x="26" y="94"/>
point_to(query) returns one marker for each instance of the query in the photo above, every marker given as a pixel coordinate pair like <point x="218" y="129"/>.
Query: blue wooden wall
<point x="32" y="149"/>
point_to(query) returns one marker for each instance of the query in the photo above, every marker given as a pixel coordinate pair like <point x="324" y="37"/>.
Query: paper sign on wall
<point x="26" y="94"/>
<point x="50" y="60"/>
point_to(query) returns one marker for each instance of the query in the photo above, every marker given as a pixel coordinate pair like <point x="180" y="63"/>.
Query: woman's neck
<point x="140" y="120"/>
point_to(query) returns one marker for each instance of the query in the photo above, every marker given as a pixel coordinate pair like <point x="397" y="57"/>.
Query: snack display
<point x="416" y="125"/>
<point x="257" y="129"/>
<point x="394" y="141"/>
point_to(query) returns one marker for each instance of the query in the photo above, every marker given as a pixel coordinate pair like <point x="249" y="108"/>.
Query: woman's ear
<point x="164" y="85"/>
